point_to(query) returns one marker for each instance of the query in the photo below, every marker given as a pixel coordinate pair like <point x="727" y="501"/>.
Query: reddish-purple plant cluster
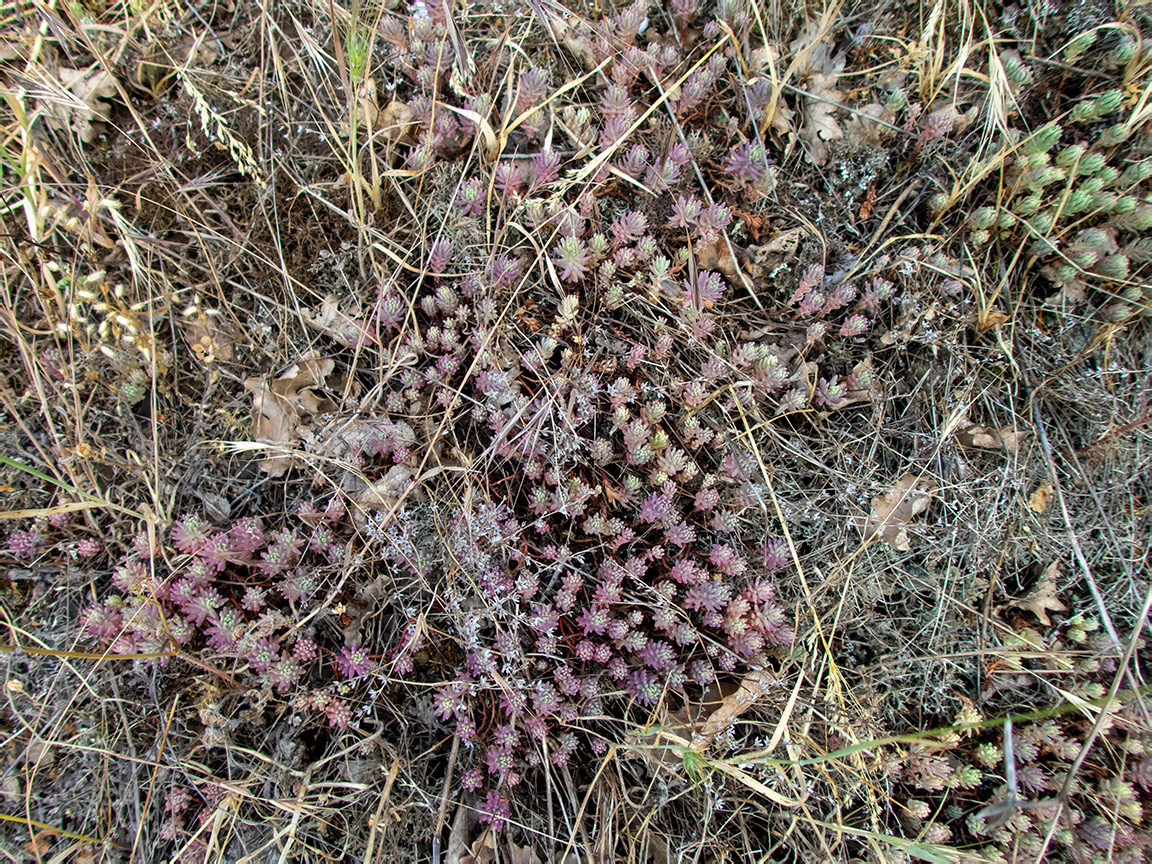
<point x="234" y="592"/>
<point x="609" y="548"/>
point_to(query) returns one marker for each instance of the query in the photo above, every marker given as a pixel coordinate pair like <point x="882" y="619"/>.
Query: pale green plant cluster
<point x="1075" y="193"/>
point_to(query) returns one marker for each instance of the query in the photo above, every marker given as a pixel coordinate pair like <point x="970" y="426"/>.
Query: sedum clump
<point x="1070" y="195"/>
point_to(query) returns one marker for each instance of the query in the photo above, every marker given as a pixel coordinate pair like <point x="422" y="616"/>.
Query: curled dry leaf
<point x="1042" y="598"/>
<point x="396" y="122"/>
<point x="279" y="408"/>
<point x="345" y="329"/>
<point x="895" y="509"/>
<point x="1041" y="497"/>
<point x="987" y="438"/>
<point x="210" y="338"/>
<point x="820" y="126"/>
<point x="83" y="103"/>
<point x="696" y="724"/>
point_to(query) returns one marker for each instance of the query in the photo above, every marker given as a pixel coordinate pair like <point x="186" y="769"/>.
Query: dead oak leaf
<point x="987" y="438"/>
<point x="894" y="510"/>
<point x="820" y="127"/>
<point x="1041" y="497"/>
<point x="347" y="330"/>
<point x="86" y="91"/>
<point x="211" y="340"/>
<point x="1042" y="598"/>
<point x="279" y="407"/>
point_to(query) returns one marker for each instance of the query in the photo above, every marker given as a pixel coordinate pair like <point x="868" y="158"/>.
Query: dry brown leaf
<point x="987" y="438"/>
<point x="483" y="849"/>
<point x="210" y="338"/>
<point x="345" y="329"/>
<point x="279" y="408"/>
<point x="86" y="107"/>
<point x="892" y="511"/>
<point x="820" y="126"/>
<point x="1042" y="598"/>
<point x="1041" y="497"/>
<point x="862" y="132"/>
<point x="387" y="490"/>
<point x="753" y="687"/>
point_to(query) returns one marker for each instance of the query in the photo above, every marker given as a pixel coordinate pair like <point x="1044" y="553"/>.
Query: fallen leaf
<point x="85" y="90"/>
<point x="987" y="438"/>
<point x="279" y="408"/>
<point x="387" y="490"/>
<point x="345" y="329"/>
<point x="892" y="511"/>
<point x="395" y="121"/>
<point x="1041" y="497"/>
<point x="210" y="338"/>
<point x="862" y="132"/>
<point x="1042" y="598"/>
<point x="820" y="126"/>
